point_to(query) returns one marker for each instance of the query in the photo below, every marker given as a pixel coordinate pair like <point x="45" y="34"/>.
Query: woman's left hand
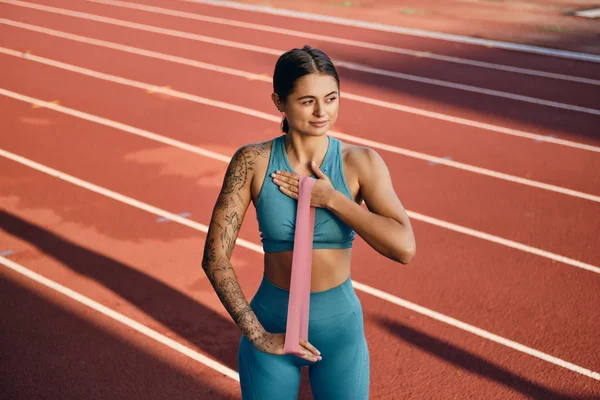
<point x="322" y="192"/>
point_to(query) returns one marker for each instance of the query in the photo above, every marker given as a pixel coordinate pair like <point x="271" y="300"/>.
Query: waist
<point x="329" y="268"/>
<point x="323" y="304"/>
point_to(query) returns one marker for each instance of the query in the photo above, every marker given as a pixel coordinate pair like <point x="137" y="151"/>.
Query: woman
<point x="306" y="92"/>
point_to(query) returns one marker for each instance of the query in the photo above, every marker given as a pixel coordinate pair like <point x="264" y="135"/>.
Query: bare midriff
<point x="330" y="268"/>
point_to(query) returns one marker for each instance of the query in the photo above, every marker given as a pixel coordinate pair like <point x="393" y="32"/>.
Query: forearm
<point x="225" y="283"/>
<point x="386" y="235"/>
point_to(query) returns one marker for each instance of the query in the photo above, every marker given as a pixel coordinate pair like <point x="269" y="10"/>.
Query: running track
<point x="110" y="129"/>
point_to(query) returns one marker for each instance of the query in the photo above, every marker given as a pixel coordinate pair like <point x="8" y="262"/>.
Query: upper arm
<point x="376" y="188"/>
<point x="230" y="207"/>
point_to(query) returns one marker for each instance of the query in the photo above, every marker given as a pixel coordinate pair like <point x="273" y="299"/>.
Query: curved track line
<point x="404" y="31"/>
<point x="270" y="117"/>
<point x="340" y="63"/>
<point x="348" y="42"/>
<point x="268" y="79"/>
<point x="223" y="158"/>
<point x="359" y="286"/>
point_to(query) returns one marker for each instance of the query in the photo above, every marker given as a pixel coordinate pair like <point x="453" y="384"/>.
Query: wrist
<point x="333" y="199"/>
<point x="257" y="335"/>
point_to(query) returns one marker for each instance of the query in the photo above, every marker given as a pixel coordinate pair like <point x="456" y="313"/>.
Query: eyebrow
<point x="313" y="97"/>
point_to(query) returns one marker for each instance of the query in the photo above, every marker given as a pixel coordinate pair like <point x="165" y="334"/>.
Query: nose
<point x="319" y="109"/>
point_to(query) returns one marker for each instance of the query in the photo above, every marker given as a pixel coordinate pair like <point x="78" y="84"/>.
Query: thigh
<point x="266" y="376"/>
<point x="344" y="371"/>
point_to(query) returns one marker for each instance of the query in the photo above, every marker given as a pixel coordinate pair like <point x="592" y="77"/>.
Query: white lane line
<point x="476" y="331"/>
<point x="223" y="158"/>
<point x="340" y="63"/>
<point x="591" y="13"/>
<point x="502" y="241"/>
<point x="269" y="117"/>
<point x="268" y="79"/>
<point x="119" y="197"/>
<point x="110" y="313"/>
<point x="359" y="286"/>
<point x="348" y="42"/>
<point x="401" y="30"/>
<point x="467" y="88"/>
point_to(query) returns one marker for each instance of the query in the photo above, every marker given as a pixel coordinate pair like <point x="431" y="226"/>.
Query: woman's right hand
<point x="272" y="343"/>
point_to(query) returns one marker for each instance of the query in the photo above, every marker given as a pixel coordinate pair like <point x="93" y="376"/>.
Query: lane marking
<point x="261" y="77"/>
<point x="38" y="105"/>
<point x="435" y="162"/>
<point x="110" y="313"/>
<point x="468" y="88"/>
<point x="225" y="159"/>
<point x="7" y="253"/>
<point x="476" y="331"/>
<point x="158" y="89"/>
<point x="254" y="247"/>
<point x="544" y="139"/>
<point x="403" y="31"/>
<point x="339" y="63"/>
<point x="268" y="79"/>
<point x="182" y="214"/>
<point x="272" y="118"/>
<point x="338" y="40"/>
<point x="591" y="13"/>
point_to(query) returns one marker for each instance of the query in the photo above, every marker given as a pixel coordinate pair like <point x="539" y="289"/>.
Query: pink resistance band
<point x="299" y="298"/>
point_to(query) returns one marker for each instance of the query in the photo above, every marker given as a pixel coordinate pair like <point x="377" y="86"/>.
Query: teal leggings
<point x="335" y="328"/>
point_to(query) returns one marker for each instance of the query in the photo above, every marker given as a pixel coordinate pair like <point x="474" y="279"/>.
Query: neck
<point x="303" y="149"/>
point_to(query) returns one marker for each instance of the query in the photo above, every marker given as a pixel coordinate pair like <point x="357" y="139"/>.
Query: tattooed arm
<point x="225" y="224"/>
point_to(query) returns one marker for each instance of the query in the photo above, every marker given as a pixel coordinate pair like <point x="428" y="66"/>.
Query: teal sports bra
<point x="276" y="212"/>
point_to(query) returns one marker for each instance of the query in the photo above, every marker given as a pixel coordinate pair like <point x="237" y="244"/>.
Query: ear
<point x="277" y="101"/>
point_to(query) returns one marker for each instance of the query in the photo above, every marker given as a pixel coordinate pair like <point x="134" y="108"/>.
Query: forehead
<point x="317" y="85"/>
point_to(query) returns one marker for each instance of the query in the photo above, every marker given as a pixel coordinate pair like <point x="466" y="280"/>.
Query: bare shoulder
<point x="252" y="155"/>
<point x="360" y="157"/>
<point x="243" y="164"/>
<point x="361" y="165"/>
<point x="253" y="162"/>
<point x="253" y="152"/>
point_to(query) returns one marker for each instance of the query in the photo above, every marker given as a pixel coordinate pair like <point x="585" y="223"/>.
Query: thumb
<point x="317" y="170"/>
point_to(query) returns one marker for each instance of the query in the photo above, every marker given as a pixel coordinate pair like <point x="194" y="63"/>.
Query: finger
<point x="310" y="347"/>
<point x="292" y="175"/>
<point x="317" y="170"/>
<point x="285" y="179"/>
<point x="309" y="355"/>
<point x="291" y="187"/>
<point x="287" y="192"/>
<point x="286" y="176"/>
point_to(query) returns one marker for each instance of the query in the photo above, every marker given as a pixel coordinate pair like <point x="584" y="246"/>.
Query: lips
<point x="319" y="123"/>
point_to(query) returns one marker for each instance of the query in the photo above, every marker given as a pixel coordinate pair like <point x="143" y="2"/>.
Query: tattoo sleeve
<point x="226" y="221"/>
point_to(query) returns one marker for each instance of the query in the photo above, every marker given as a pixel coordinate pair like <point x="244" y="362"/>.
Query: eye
<point x="332" y="99"/>
<point x="307" y="102"/>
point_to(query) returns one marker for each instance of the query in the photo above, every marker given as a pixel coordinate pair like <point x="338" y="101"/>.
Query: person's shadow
<point x="472" y="363"/>
<point x="52" y="353"/>
<point x="210" y="332"/>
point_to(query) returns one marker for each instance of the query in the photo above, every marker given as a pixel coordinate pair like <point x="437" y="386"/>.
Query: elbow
<point x="210" y="256"/>
<point x="404" y="247"/>
<point x="406" y="253"/>
<point x="406" y="256"/>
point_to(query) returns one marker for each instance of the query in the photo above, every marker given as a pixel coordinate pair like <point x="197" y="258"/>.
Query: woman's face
<point x="312" y="108"/>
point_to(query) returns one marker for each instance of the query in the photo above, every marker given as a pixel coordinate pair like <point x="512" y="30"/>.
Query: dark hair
<point x="296" y="63"/>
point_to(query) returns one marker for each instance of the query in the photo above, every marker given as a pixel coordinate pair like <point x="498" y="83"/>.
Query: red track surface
<point x="123" y="258"/>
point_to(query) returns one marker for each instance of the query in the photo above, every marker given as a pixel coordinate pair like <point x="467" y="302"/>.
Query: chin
<point x="318" y="131"/>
